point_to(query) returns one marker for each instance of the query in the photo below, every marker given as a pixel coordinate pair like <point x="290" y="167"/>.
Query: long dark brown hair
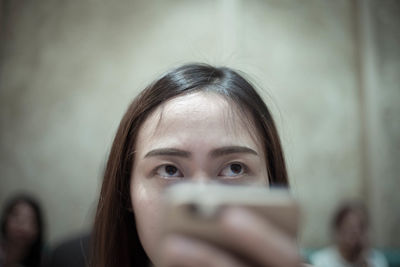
<point x="115" y="239"/>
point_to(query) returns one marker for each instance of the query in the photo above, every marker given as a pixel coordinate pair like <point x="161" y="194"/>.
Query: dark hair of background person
<point x="115" y="239"/>
<point x="347" y="208"/>
<point x="34" y="256"/>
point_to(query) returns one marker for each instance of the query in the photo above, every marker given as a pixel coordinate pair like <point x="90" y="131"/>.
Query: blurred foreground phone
<point x="193" y="208"/>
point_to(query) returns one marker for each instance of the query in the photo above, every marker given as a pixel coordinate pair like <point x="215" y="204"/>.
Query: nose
<point x="201" y="178"/>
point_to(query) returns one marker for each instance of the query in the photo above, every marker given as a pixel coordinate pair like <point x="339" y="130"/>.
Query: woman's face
<point x="200" y="137"/>
<point x="352" y="234"/>
<point x="21" y="226"/>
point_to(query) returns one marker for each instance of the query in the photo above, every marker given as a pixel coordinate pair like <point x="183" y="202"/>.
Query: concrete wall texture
<point x="329" y="70"/>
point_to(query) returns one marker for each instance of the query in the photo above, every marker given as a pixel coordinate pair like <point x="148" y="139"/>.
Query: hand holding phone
<point x="209" y="215"/>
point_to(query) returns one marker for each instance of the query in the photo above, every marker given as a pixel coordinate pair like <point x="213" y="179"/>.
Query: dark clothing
<point x="71" y="253"/>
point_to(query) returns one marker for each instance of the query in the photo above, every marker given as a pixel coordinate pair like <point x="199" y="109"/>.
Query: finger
<point x="182" y="251"/>
<point x="258" y="239"/>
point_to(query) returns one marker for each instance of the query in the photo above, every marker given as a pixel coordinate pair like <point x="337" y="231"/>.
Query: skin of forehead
<point x="23" y="207"/>
<point x="190" y="110"/>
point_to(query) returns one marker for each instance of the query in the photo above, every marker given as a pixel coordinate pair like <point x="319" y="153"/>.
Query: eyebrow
<point x="168" y="152"/>
<point x="227" y="150"/>
<point x="218" y="152"/>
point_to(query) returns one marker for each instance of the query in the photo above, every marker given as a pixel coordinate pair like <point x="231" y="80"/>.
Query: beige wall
<point x="329" y="71"/>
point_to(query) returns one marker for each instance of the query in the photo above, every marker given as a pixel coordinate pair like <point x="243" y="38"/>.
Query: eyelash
<point x="244" y="171"/>
<point x="156" y="171"/>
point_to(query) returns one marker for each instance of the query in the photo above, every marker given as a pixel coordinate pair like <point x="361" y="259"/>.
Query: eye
<point x="168" y="171"/>
<point x="233" y="170"/>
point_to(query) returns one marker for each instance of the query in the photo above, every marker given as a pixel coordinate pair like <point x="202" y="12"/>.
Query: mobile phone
<point x="193" y="208"/>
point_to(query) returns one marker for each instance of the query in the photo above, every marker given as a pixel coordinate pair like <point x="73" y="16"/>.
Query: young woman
<point x="196" y="122"/>
<point x="22" y="233"/>
<point x="350" y="225"/>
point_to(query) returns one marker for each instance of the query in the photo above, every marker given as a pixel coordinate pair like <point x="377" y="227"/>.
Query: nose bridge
<point x="201" y="176"/>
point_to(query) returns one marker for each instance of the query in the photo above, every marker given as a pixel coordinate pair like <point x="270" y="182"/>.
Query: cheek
<point x="23" y="229"/>
<point x="147" y="207"/>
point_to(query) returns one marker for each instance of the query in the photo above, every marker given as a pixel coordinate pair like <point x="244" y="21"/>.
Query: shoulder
<point x="377" y="258"/>
<point x="325" y="257"/>
<point x="325" y="252"/>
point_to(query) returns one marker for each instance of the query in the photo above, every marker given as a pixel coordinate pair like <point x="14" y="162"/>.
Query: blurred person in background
<point x="351" y="247"/>
<point x="21" y="233"/>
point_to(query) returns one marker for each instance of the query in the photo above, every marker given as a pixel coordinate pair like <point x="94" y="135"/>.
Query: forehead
<point x="23" y="208"/>
<point x="200" y="116"/>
